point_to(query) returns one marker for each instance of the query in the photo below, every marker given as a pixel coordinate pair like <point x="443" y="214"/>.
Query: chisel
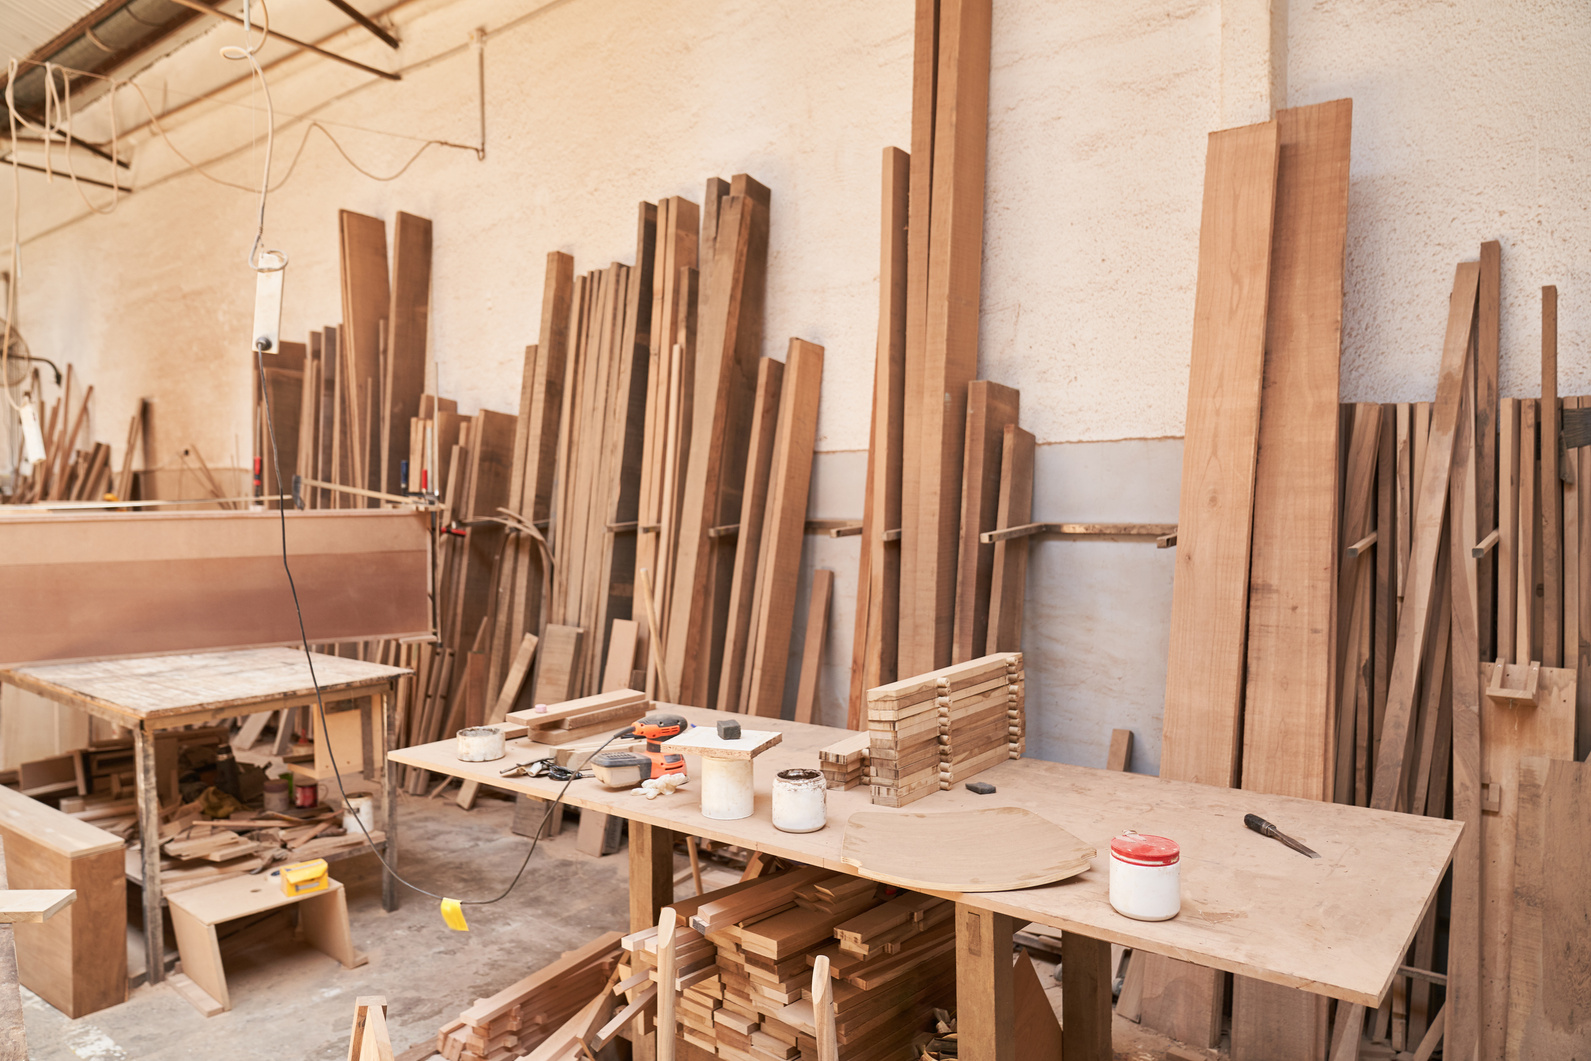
<point x="1265" y="828"/>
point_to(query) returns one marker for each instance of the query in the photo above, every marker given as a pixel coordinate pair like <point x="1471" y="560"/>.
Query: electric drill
<point x="625" y="768"/>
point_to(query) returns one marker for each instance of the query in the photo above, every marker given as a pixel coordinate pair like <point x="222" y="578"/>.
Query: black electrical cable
<point x="320" y="706"/>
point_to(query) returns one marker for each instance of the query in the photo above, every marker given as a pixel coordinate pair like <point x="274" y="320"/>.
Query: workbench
<point x="1338" y="925"/>
<point x="147" y="694"/>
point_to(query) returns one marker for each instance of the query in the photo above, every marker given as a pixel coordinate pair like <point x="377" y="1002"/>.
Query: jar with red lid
<point x="1145" y="878"/>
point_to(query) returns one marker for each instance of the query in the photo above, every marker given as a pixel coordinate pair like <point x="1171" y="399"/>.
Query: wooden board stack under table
<point x="937" y="729"/>
<point x="516" y="1019"/>
<point x="745" y="954"/>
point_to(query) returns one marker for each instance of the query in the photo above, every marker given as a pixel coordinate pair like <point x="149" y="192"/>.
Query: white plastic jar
<point x="1145" y="877"/>
<point x="800" y="801"/>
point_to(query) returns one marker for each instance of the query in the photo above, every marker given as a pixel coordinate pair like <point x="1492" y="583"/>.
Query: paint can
<point x="799" y="801"/>
<point x="277" y="796"/>
<point x="727" y="792"/>
<point x="480" y="744"/>
<point x="1145" y="877"/>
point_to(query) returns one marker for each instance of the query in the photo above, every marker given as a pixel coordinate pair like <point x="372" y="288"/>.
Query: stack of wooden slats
<point x="1346" y="577"/>
<point x="519" y="1017"/>
<point x="947" y="460"/>
<point x="68" y="473"/>
<point x="582" y="719"/>
<point x="844" y="763"/>
<point x="893" y="960"/>
<point x="937" y="729"/>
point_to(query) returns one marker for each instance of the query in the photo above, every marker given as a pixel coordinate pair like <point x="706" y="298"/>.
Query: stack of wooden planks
<point x="844" y="763"/>
<point x="68" y="471"/>
<point x="1377" y="604"/>
<point x="935" y="730"/>
<point x="745" y="955"/>
<point x="515" y="1020"/>
<point x="947" y="460"/>
<point x="582" y="719"/>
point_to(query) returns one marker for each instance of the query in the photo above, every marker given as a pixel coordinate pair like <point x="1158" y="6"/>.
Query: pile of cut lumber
<point x="518" y="1018"/>
<point x="935" y="730"/>
<point x="1383" y="605"/>
<point x="70" y="473"/>
<point x="582" y="719"/>
<point x="947" y="459"/>
<point x="844" y="763"/>
<point x="745" y="955"/>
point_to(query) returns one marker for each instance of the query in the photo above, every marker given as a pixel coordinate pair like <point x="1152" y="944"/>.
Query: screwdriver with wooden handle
<point x="1265" y="828"/>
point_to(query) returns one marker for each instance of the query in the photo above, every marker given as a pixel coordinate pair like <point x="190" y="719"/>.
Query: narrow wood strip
<point x="753" y="508"/>
<point x="1487" y="335"/>
<point x="991" y="408"/>
<point x="1209" y="604"/>
<point x="1527" y="632"/>
<point x="787" y="506"/>
<point x="1414" y="620"/>
<point x="812" y="645"/>
<point x="1550" y="494"/>
<point x="875" y="649"/>
<point x="1464" y="954"/>
<point x="1507" y="527"/>
<point x="1009" y="572"/>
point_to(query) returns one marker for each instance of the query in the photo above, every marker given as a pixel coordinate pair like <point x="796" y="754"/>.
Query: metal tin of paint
<point x="799" y="801"/>
<point x="1145" y="877"/>
<point x="277" y="796"/>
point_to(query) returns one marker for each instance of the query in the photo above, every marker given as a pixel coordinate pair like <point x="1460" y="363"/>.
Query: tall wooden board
<point x="812" y="644"/>
<point x="1511" y="731"/>
<point x="753" y="508"/>
<point x="991" y="408"/>
<point x="1551" y="498"/>
<point x="408" y="324"/>
<point x="1429" y="512"/>
<point x="1551" y="935"/>
<point x="366" y="299"/>
<point x="1008" y="580"/>
<point x="725" y="369"/>
<point x="1291" y="674"/>
<point x="950" y="336"/>
<point x="877" y="638"/>
<point x="925" y="86"/>
<point x="1209" y="601"/>
<point x="784" y="529"/>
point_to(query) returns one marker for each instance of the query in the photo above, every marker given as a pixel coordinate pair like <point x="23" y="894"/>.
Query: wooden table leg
<point x="1085" y="998"/>
<point x="149" y="837"/>
<point x="651" y="873"/>
<point x="323" y="917"/>
<point x="200" y="949"/>
<point x="388" y="815"/>
<point x="651" y="889"/>
<point x="985" y="1005"/>
<point x="13" y="1036"/>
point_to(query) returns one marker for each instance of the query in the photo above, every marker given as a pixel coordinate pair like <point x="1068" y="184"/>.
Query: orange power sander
<point x="621" y="769"/>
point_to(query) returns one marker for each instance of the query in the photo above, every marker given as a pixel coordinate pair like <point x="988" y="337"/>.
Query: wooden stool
<point x="323" y="916"/>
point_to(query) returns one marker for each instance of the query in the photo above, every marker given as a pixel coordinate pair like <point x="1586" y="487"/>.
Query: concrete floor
<point x="290" y="1001"/>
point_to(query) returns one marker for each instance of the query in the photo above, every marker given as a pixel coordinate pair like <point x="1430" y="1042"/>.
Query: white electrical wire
<point x="268" y="261"/>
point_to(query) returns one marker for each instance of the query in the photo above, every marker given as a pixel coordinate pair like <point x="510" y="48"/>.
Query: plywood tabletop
<point x="150" y="687"/>
<point x="1337" y="925"/>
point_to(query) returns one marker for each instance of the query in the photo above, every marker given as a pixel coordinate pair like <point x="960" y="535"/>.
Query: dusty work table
<point x="1337" y="926"/>
<point x="147" y="694"/>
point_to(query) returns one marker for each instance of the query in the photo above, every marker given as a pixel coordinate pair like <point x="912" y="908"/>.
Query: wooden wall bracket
<point x="1528" y="694"/>
<point x="1164" y="535"/>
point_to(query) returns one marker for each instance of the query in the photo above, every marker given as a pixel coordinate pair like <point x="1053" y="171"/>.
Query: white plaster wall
<point x="1470" y="124"/>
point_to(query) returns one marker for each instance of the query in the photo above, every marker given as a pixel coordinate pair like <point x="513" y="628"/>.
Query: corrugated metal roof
<point x="26" y="25"/>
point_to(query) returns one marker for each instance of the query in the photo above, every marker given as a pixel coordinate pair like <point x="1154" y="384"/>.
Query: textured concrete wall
<point x="1469" y="125"/>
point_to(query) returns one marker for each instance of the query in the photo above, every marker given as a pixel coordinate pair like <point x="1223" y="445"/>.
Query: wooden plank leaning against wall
<point x="1210" y="596"/>
<point x="1288" y="714"/>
